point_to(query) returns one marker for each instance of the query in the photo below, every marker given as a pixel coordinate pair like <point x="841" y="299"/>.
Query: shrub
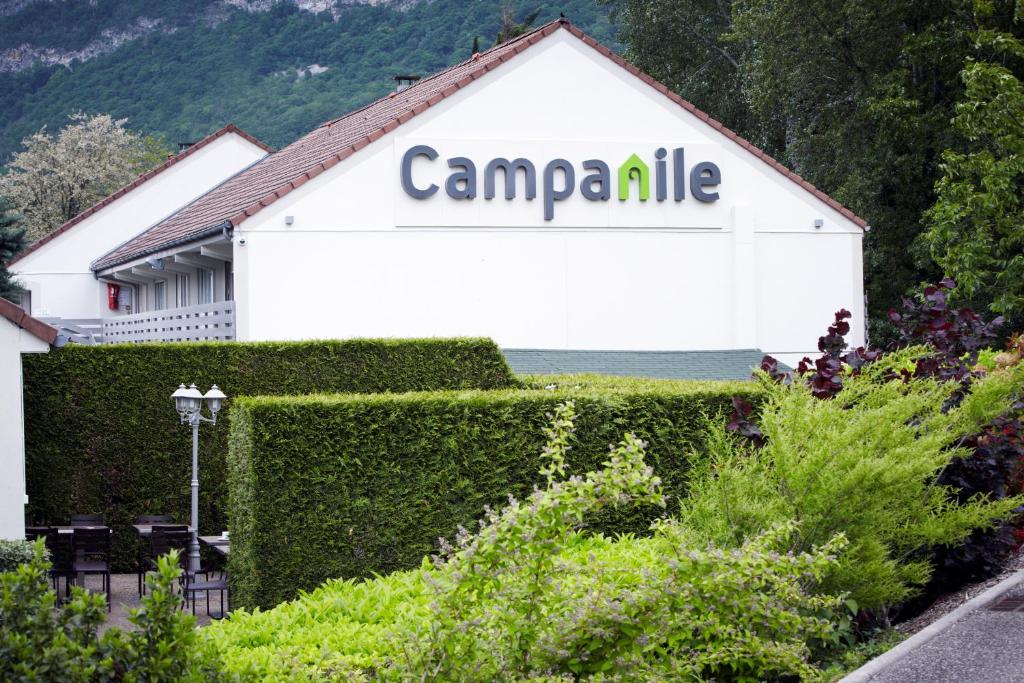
<point x="348" y="485"/>
<point x="531" y="596"/>
<point x="955" y="341"/>
<point x="13" y="553"/>
<point x="513" y="605"/>
<point x="102" y="436"/>
<point x="865" y="463"/>
<point x="39" y="642"/>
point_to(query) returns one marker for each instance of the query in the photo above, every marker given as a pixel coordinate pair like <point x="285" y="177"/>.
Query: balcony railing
<point x="204" y="322"/>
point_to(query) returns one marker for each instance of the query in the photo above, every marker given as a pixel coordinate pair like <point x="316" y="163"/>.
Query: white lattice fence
<point x="205" y="322"/>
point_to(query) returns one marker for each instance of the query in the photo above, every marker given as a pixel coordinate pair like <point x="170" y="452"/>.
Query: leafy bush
<point x="347" y="485"/>
<point x="530" y="596"/>
<point x="102" y="435"/>
<point x="13" y="553"/>
<point x="511" y="605"/>
<point x="955" y="341"/>
<point x="863" y="463"/>
<point x="39" y="642"/>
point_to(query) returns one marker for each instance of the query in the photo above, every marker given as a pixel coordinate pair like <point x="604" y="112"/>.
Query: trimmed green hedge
<point x="102" y="435"/>
<point x="351" y="485"/>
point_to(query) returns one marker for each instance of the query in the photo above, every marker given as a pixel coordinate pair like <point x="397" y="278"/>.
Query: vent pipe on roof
<point x="405" y="82"/>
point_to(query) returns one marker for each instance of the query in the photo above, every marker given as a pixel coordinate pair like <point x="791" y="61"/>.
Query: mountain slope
<point x="181" y="68"/>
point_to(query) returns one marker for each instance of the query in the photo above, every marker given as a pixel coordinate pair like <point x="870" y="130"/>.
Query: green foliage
<point x="513" y="605"/>
<point x="532" y="597"/>
<point x="12" y="240"/>
<point x="348" y="485"/>
<point x="224" y="64"/>
<point x="856" y="96"/>
<point x="13" y="553"/>
<point x="41" y="642"/>
<point x="976" y="228"/>
<point x="102" y="435"/>
<point x="863" y="463"/>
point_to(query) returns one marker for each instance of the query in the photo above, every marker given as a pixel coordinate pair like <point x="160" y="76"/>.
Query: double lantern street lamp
<point x="189" y="404"/>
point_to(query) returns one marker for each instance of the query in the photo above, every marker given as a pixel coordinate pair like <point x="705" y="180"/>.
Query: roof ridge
<point x="141" y="179"/>
<point x="276" y="181"/>
<point x="476" y="56"/>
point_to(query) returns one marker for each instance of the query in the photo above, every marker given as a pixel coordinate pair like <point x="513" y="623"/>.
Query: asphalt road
<point x="985" y="646"/>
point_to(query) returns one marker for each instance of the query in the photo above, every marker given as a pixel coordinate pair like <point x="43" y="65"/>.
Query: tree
<point x="976" y="227"/>
<point x="12" y="240"/>
<point x="476" y="45"/>
<point x="854" y="95"/>
<point x="685" y="45"/>
<point x="510" y="28"/>
<point x="54" y="178"/>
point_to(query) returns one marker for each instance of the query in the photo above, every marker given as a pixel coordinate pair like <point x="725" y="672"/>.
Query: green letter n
<point x="634" y="168"/>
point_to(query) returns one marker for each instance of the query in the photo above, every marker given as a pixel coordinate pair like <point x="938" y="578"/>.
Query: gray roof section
<point x="729" y="364"/>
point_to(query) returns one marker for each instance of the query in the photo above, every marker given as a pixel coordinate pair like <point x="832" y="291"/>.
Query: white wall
<point x="58" y="274"/>
<point x="13" y="341"/>
<point x="362" y="258"/>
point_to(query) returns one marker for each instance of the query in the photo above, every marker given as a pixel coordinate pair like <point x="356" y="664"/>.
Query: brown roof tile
<point x="33" y="326"/>
<point x="273" y="177"/>
<point x="171" y="161"/>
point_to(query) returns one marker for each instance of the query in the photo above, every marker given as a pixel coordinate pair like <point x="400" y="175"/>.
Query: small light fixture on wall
<point x="818" y="222"/>
<point x="289" y="220"/>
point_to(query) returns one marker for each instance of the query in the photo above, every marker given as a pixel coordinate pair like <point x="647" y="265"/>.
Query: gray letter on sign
<point x="601" y="178"/>
<point x="551" y="195"/>
<point x="698" y="181"/>
<point x="466" y="177"/>
<point x="510" y="168"/>
<point x="407" y="184"/>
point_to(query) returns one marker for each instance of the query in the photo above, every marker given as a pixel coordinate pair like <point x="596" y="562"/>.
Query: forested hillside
<point x="183" y="68"/>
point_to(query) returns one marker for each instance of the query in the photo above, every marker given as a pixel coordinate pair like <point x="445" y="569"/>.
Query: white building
<point x="543" y="193"/>
<point x="56" y="270"/>
<point x="19" y="333"/>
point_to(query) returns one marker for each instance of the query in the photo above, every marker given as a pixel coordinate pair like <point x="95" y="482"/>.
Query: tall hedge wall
<point x="347" y="485"/>
<point x="102" y="434"/>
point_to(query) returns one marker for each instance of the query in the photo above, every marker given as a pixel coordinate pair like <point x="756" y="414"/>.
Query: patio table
<point x="218" y="543"/>
<point x="146" y="530"/>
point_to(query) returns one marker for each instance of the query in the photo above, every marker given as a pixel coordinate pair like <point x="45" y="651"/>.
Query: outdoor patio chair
<point x="142" y="557"/>
<point x="87" y="520"/>
<point x="62" y="556"/>
<point x="220" y="585"/>
<point x="92" y="556"/>
<point x="165" y="538"/>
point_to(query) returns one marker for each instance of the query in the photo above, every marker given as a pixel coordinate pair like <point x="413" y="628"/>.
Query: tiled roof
<point x="275" y="176"/>
<point x="736" y="364"/>
<point x="26" y="322"/>
<point x="171" y="160"/>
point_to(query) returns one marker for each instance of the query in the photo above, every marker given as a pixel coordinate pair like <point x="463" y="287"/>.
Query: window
<point x="159" y="295"/>
<point x="205" y="285"/>
<point x="229" y="281"/>
<point x="183" y="297"/>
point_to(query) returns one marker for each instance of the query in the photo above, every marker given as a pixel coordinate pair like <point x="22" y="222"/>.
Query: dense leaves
<point x="53" y="178"/>
<point x="45" y="643"/>
<point x="207" y="64"/>
<point x="866" y="462"/>
<point x="348" y="485"/>
<point x="102" y="436"/>
<point x="531" y="596"/>
<point x="857" y="96"/>
<point x="12" y="240"/>
<point x="976" y="228"/>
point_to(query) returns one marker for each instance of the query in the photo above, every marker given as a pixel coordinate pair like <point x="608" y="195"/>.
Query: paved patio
<point x="125" y="596"/>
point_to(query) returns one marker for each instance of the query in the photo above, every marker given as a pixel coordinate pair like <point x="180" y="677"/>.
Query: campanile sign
<point x="632" y="179"/>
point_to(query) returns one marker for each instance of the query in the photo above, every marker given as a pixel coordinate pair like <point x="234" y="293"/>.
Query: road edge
<point x="878" y="664"/>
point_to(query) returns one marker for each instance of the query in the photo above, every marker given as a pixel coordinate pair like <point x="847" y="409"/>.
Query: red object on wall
<point x="112" y="292"/>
